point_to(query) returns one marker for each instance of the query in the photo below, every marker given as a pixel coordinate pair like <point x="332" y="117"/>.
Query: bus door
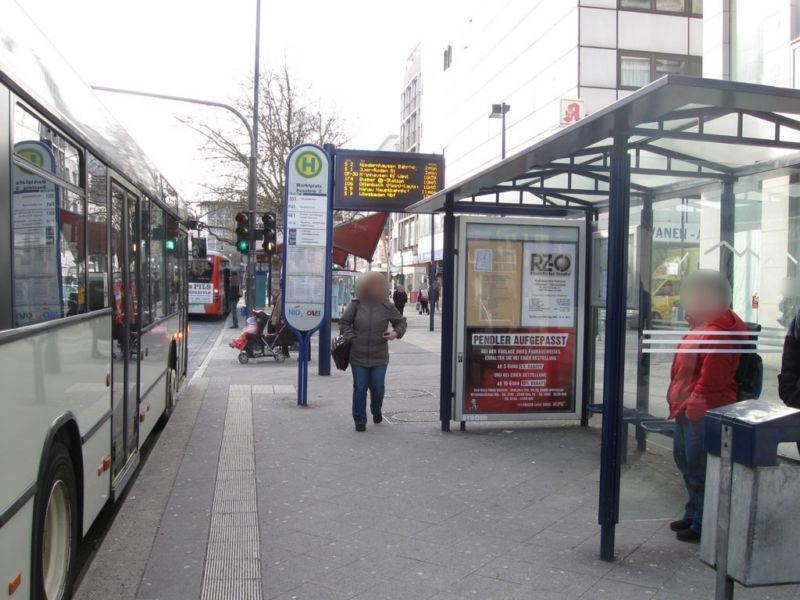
<point x="125" y="371"/>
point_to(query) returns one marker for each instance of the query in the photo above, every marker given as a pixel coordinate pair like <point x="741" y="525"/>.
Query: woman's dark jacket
<point x="368" y="348"/>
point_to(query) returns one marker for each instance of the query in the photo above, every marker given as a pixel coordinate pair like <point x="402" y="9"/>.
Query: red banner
<point x="519" y="370"/>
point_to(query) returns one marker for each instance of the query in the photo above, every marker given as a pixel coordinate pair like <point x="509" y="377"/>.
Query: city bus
<point x="93" y="308"/>
<point x="208" y="284"/>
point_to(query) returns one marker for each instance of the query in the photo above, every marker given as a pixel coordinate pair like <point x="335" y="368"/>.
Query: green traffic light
<point x="242" y="245"/>
<point x="169" y="244"/>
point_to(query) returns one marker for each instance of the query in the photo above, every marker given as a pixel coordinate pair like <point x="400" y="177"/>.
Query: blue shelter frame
<point x="678" y="135"/>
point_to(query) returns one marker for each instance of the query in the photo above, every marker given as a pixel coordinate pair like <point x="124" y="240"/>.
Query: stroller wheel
<point x="280" y="357"/>
<point x="243" y="358"/>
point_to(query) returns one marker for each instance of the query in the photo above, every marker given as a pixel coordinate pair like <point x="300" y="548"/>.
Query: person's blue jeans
<point x="234" y="313"/>
<point x="688" y="447"/>
<point x="372" y="379"/>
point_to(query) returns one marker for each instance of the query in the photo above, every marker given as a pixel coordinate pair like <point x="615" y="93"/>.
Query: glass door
<point x="125" y="284"/>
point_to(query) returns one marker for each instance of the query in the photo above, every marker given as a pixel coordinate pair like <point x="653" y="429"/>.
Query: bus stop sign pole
<point x="307" y="234"/>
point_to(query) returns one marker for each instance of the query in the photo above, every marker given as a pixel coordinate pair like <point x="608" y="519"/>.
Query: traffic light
<point x="270" y="243"/>
<point x="243" y="232"/>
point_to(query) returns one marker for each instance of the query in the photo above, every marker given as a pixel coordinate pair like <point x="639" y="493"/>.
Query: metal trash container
<point x="751" y="495"/>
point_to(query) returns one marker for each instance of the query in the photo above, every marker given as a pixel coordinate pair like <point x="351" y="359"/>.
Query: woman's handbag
<point x="340" y="349"/>
<point x="340" y="352"/>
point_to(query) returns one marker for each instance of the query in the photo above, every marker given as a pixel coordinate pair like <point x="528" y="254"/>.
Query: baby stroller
<point x="261" y="344"/>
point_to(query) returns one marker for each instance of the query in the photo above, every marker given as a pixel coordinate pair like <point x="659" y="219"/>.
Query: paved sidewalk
<point x="294" y="504"/>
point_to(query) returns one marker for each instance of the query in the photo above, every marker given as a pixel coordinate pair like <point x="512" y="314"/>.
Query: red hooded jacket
<point x="699" y="382"/>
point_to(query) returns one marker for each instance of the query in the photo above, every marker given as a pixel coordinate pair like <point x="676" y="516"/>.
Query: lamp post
<point x="251" y="188"/>
<point x="499" y="112"/>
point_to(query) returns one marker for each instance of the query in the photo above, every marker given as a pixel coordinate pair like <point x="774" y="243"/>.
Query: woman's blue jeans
<point x="372" y="379"/>
<point x="690" y="457"/>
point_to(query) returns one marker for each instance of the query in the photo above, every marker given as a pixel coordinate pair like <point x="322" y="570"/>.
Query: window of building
<point x="795" y="19"/>
<point x="637" y="69"/>
<point x="448" y="57"/>
<point x="691" y="7"/>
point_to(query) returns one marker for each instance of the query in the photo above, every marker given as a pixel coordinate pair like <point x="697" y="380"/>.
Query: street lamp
<point x="499" y="112"/>
<point x="251" y="179"/>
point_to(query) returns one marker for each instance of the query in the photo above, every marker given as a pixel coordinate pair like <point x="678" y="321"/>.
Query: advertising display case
<point x="519" y="333"/>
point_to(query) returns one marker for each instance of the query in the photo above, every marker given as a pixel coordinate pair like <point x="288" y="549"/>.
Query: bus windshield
<point x="200" y="270"/>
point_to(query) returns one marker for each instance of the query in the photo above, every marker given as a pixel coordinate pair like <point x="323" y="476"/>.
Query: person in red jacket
<point x="700" y="381"/>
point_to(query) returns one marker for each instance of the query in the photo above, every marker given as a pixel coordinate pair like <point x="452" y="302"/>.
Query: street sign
<point x="307" y="225"/>
<point x="385" y="181"/>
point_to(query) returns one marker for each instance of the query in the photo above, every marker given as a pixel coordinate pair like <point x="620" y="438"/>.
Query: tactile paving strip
<point x="233" y="560"/>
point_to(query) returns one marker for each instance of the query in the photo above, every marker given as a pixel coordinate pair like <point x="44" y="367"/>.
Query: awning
<point x="359" y="238"/>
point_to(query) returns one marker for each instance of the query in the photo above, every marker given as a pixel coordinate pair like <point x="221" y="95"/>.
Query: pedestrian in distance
<point x="400" y="299"/>
<point x="699" y="382"/>
<point x="423" y="301"/>
<point x="234" y="293"/>
<point x="365" y="325"/>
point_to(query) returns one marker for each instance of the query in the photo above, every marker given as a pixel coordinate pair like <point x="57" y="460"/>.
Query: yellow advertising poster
<point x="494" y="293"/>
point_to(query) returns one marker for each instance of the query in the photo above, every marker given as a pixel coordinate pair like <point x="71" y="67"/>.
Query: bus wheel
<point x="172" y="390"/>
<point x="56" y="527"/>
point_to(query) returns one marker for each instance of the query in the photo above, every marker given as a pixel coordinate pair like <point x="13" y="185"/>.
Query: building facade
<point x="548" y="63"/>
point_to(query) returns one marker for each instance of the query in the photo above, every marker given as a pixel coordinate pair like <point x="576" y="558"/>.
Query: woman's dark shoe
<point x="680" y="525"/>
<point x="377" y="418"/>
<point x="361" y="427"/>
<point x="688" y="535"/>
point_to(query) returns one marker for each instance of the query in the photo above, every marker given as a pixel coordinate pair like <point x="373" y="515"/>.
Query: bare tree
<point x="286" y="118"/>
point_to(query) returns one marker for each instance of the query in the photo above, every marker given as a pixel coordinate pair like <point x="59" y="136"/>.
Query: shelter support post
<point x="726" y="228"/>
<point x="613" y="382"/>
<point x="448" y="302"/>
<point x="588" y="350"/>
<point x="432" y="276"/>
<point x="644" y="257"/>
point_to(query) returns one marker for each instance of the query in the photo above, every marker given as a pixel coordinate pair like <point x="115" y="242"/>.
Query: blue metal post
<point x="448" y="310"/>
<point x="588" y="332"/>
<point x="613" y="382"/>
<point x="324" y="350"/>
<point x="432" y="274"/>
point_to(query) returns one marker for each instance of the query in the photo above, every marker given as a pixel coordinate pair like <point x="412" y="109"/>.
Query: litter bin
<point x="751" y="527"/>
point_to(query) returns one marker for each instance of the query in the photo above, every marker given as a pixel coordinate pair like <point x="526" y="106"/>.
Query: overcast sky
<point x="351" y="53"/>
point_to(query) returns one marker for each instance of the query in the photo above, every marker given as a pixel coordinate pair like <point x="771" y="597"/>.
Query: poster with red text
<point x="519" y="370"/>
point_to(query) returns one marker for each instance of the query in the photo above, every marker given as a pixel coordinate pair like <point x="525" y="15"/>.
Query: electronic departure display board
<point x="385" y="181"/>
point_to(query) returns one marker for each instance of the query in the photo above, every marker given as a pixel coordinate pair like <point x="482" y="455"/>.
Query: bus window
<point x="97" y="234"/>
<point x="156" y="273"/>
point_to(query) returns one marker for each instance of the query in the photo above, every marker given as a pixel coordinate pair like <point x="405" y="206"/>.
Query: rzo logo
<point x="555" y="264"/>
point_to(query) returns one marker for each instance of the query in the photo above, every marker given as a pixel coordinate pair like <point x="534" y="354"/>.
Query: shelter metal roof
<point x="683" y="133"/>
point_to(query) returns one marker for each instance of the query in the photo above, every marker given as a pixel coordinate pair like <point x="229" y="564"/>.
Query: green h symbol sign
<point x="308" y="164"/>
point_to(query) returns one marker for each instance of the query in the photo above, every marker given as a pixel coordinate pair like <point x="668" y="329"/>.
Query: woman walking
<point x="365" y="324"/>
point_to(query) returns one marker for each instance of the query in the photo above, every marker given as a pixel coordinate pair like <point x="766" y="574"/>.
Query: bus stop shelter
<point x="681" y="142"/>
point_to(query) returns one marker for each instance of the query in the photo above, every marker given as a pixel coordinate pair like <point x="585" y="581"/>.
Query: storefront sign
<point x="307" y="222"/>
